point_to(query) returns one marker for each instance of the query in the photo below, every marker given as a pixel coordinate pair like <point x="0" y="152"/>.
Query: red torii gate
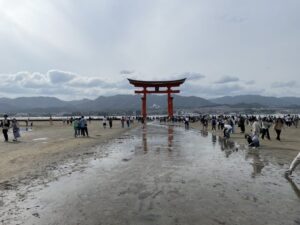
<point x="157" y="85"/>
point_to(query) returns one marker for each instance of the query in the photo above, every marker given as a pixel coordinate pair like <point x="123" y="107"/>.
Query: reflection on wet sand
<point x="144" y="138"/>
<point x="204" y="133"/>
<point x="170" y="137"/>
<point x="227" y="146"/>
<point x="169" y="143"/>
<point x="257" y="163"/>
<point x="214" y="139"/>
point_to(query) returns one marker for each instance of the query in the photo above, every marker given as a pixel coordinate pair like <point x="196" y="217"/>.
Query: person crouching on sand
<point x="227" y="130"/>
<point x="253" y="140"/>
<point x="293" y="165"/>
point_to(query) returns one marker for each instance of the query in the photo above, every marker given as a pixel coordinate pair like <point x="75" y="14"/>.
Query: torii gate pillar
<point x="170" y="103"/>
<point x="144" y="104"/>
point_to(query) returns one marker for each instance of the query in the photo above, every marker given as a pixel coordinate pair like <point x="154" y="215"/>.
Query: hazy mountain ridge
<point x="102" y="103"/>
<point x="264" y="101"/>
<point x="133" y="103"/>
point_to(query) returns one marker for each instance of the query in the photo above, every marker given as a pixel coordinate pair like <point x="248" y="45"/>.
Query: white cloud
<point x="250" y="82"/>
<point x="57" y="76"/>
<point x="286" y="84"/>
<point x="126" y="72"/>
<point x="64" y="84"/>
<point x="190" y="76"/>
<point x="227" y="79"/>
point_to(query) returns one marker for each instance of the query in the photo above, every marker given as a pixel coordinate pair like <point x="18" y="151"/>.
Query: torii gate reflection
<point x="157" y="85"/>
<point x="170" y="138"/>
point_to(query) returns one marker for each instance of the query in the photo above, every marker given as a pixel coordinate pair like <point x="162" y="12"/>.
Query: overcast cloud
<point x="227" y="79"/>
<point x="78" y="49"/>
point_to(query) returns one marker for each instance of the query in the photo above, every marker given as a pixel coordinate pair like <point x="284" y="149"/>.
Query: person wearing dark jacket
<point x="242" y="124"/>
<point x="5" y="124"/>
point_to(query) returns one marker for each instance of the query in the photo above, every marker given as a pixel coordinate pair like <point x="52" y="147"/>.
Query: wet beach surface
<point x="161" y="175"/>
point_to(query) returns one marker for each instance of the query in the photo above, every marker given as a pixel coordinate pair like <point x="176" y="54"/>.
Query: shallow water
<point x="168" y="175"/>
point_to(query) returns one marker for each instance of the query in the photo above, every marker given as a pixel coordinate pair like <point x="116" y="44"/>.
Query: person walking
<point x="296" y="121"/>
<point x="242" y="124"/>
<point x="5" y="124"/>
<point x="104" y="123"/>
<point x="232" y="124"/>
<point x="83" y="126"/>
<point x="122" y="121"/>
<point x="255" y="127"/>
<point x="265" y="125"/>
<point x="213" y="123"/>
<point x="110" y="122"/>
<point x="16" y="129"/>
<point x="278" y="127"/>
<point x="187" y="122"/>
<point x="76" y="127"/>
<point x="128" y="122"/>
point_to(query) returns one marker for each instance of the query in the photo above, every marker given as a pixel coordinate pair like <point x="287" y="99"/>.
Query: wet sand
<point x="290" y="138"/>
<point x="163" y="175"/>
<point x="47" y="146"/>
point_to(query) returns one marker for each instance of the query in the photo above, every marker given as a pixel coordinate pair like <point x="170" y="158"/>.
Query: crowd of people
<point x="6" y="125"/>
<point x="259" y="125"/>
<point x="80" y="127"/>
<point x="79" y="124"/>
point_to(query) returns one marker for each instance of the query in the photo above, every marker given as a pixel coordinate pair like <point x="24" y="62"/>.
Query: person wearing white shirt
<point x="256" y="128"/>
<point x="227" y="130"/>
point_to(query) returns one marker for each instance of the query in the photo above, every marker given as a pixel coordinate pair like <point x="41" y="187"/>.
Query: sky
<point x="74" y="49"/>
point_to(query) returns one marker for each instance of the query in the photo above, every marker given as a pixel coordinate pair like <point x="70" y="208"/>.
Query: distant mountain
<point x="133" y="102"/>
<point x="33" y="102"/>
<point x="262" y="101"/>
<point x="100" y="104"/>
<point x="127" y="103"/>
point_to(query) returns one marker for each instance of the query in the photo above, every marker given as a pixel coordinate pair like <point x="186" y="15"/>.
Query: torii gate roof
<point x="169" y="83"/>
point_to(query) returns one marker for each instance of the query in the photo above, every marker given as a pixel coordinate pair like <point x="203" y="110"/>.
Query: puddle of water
<point x="168" y="175"/>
